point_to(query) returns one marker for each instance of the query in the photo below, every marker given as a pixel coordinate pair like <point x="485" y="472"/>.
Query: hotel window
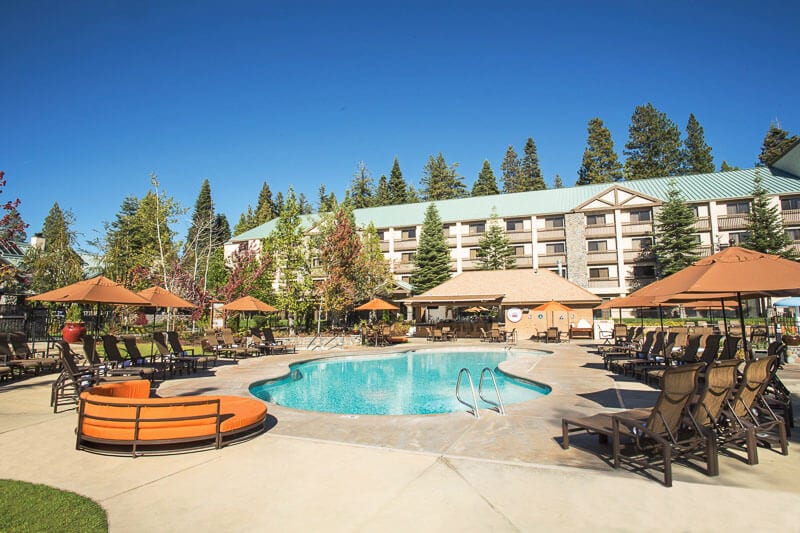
<point x="553" y="222"/>
<point x="644" y="271"/>
<point x="477" y="228"/>
<point x="737" y="238"/>
<point x="381" y="235"/>
<point x="738" y="208"/>
<point x="790" y="203"/>
<point x="793" y="233"/>
<point x="642" y="243"/>
<point x="316" y="262"/>
<point x="407" y="257"/>
<point x="446" y="230"/>
<point x="640" y="216"/>
<point x="519" y="251"/>
<point x="408" y="234"/>
<point x="696" y="210"/>
<point x="405" y="279"/>
<point x="555" y="248"/>
<point x="596" y="220"/>
<point x="597" y="246"/>
<point x="697" y="239"/>
<point x="514" y="225"/>
<point x="598" y="273"/>
<point x="473" y="253"/>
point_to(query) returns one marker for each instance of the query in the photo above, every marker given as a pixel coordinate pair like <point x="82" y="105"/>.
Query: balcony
<point x="551" y="234"/>
<point x="516" y="237"/>
<point x="403" y="267"/>
<point x="638" y="282"/>
<point x="637" y="228"/>
<point x="603" y="283"/>
<point x="791" y="217"/>
<point x="524" y="261"/>
<point x="384" y="246"/>
<point x="471" y="240"/>
<point x="600" y="230"/>
<point x="405" y="245"/>
<point x="552" y="260"/>
<point x="606" y="257"/>
<point x="732" y="222"/>
<point x="702" y="224"/>
<point x="633" y="256"/>
<point x="703" y="251"/>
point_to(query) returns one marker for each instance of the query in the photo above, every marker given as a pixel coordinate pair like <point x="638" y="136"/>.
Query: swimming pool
<point x="412" y="382"/>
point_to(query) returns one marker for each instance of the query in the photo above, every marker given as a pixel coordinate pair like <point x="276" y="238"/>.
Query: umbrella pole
<point x="741" y="321"/>
<point x="724" y="317"/>
<point x="661" y="318"/>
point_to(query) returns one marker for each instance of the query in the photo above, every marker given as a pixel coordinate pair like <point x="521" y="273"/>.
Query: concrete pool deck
<point x="317" y="471"/>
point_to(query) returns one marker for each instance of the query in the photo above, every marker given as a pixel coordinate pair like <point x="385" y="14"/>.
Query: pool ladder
<point x="498" y="405"/>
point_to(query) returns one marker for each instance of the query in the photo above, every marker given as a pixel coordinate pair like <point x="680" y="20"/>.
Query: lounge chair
<point x="21" y="350"/>
<point x="278" y="346"/>
<point x="552" y="335"/>
<point x="233" y="348"/>
<point x="177" y="348"/>
<point x="687" y="356"/>
<point x="730" y="347"/>
<point x="121" y="366"/>
<point x="750" y="418"/>
<point x="616" y="355"/>
<point x="173" y="362"/>
<point x="650" y="435"/>
<point x="16" y="365"/>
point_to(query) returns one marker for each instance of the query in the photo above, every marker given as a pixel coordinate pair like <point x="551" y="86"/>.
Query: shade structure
<point x="553" y="307"/>
<point x="376" y="304"/>
<point x="788" y="302"/>
<point x="159" y="297"/>
<point x="99" y="290"/>
<point x="249" y="303"/>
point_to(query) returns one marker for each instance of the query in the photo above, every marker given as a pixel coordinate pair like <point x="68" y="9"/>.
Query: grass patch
<point x="30" y="507"/>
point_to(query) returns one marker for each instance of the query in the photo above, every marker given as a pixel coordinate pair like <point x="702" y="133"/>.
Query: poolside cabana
<point x="510" y="294"/>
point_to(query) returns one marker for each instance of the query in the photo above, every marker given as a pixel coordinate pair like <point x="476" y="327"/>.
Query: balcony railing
<point x="703" y="251"/>
<point x="603" y="230"/>
<point x="637" y="228"/>
<point x="408" y="244"/>
<point x="519" y="236"/>
<point x="551" y="260"/>
<point x="635" y="283"/>
<point x="471" y="240"/>
<point x="790" y="216"/>
<point x="702" y="224"/>
<point x="603" y="283"/>
<point x="631" y="256"/>
<point x="551" y="234"/>
<point x="729" y="222"/>
<point x="604" y="257"/>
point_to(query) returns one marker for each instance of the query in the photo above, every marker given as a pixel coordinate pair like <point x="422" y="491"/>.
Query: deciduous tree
<point x="58" y="264"/>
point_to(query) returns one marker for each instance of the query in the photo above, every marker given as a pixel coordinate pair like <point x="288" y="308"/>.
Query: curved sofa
<point x="120" y="418"/>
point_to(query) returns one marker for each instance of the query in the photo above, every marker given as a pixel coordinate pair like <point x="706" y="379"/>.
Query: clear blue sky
<point x="96" y="95"/>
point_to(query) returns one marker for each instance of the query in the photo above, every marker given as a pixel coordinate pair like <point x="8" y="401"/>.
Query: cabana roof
<point x="520" y="287"/>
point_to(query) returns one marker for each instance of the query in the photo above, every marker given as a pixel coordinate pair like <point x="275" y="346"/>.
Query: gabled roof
<point x="510" y="287"/>
<point x="694" y="187"/>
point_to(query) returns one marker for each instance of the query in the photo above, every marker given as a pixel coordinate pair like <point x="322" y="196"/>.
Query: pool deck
<point x="329" y="472"/>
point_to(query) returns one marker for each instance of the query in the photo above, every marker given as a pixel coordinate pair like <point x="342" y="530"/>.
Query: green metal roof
<point x="695" y="188"/>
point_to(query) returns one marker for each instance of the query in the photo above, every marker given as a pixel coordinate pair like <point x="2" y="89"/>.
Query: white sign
<point x="514" y="314"/>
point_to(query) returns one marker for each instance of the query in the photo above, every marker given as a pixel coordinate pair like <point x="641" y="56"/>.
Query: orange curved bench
<point x="121" y="418"/>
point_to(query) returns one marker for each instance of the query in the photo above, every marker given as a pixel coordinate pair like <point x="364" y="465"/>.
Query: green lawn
<point x="29" y="507"/>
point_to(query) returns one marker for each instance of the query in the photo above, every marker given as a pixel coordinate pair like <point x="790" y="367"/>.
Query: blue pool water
<point x="413" y="382"/>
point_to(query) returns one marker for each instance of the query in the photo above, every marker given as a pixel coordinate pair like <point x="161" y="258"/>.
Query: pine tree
<point x="486" y="183"/>
<point x="725" y="167"/>
<point x="776" y="143"/>
<point x="398" y="189"/>
<point x="413" y="195"/>
<point x="202" y="216"/>
<point x="654" y="145"/>
<point x="279" y="201"/>
<point x="675" y="245"/>
<point x="765" y="231"/>
<point x="361" y="187"/>
<point x="557" y="182"/>
<point x="381" y="193"/>
<point x="510" y="168"/>
<point x="58" y="264"/>
<point x="246" y="221"/>
<point x="304" y="205"/>
<point x="327" y="202"/>
<point x="265" y="207"/>
<point x="432" y="260"/>
<point x="494" y="248"/>
<point x="530" y="175"/>
<point x="697" y="158"/>
<point x="600" y="163"/>
<point x="440" y="181"/>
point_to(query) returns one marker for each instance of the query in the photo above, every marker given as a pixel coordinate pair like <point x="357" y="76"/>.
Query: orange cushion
<point x="137" y="388"/>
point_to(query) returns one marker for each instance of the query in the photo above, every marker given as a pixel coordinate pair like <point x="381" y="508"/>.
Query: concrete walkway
<point x="314" y="471"/>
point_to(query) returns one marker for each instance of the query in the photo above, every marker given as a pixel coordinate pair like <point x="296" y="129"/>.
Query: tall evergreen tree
<point x="675" y="246"/>
<point x="600" y="163"/>
<point x="654" y="145"/>
<point x="304" y="204"/>
<point x="202" y="218"/>
<point x="279" y="201"/>
<point x="361" y="192"/>
<point x="327" y="202"/>
<point x="382" y="196"/>
<point x="432" y="260"/>
<point x="265" y="207"/>
<point x="413" y="195"/>
<point x="697" y="158"/>
<point x="246" y="221"/>
<point x="511" y="169"/>
<point x="765" y="231"/>
<point x="398" y="188"/>
<point x="58" y="264"/>
<point x="776" y="142"/>
<point x="440" y="181"/>
<point x="557" y="182"/>
<point x="486" y="183"/>
<point x="494" y="248"/>
<point x="530" y="175"/>
<point x="725" y="167"/>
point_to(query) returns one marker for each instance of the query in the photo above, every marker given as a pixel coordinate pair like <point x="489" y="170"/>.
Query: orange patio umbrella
<point x="99" y="290"/>
<point x="159" y="297"/>
<point x="248" y="304"/>
<point x="553" y="306"/>
<point x="377" y="304"/>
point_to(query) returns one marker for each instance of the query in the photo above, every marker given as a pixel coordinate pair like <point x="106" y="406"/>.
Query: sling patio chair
<point x="19" y="346"/>
<point x="637" y="351"/>
<point x="121" y="366"/>
<point x="552" y="335"/>
<point x="177" y="348"/>
<point x="17" y="365"/>
<point x="173" y="362"/>
<point x="277" y="345"/>
<point x="750" y="420"/>
<point x="687" y="356"/>
<point x="233" y="348"/>
<point x="777" y="395"/>
<point x="650" y="435"/>
<point x="652" y="346"/>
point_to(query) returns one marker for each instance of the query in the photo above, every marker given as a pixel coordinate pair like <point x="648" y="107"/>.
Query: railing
<point x="474" y="405"/>
<point x="638" y="255"/>
<point x="637" y="228"/>
<point x="603" y="283"/>
<point x="407" y="244"/>
<point x="519" y="236"/>
<point x="471" y="240"/>
<point x="703" y="251"/>
<point x="791" y="216"/>
<point x="604" y="257"/>
<point x="552" y="234"/>
<point x="635" y="283"/>
<point x="499" y="404"/>
<point x="729" y="222"/>
<point x="603" y="230"/>
<point x="702" y="224"/>
<point x="552" y="260"/>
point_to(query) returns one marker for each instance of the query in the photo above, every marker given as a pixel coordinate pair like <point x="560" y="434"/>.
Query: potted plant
<point x="74" y="328"/>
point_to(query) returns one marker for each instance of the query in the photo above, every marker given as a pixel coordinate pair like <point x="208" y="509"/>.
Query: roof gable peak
<point x="617" y="197"/>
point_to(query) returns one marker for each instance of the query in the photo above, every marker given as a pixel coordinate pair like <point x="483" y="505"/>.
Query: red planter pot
<point x="73" y="332"/>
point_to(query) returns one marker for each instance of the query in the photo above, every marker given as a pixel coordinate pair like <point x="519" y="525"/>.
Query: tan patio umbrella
<point x="159" y="297"/>
<point x="248" y="304"/>
<point x="552" y="306"/>
<point x="377" y="304"/>
<point x="735" y="272"/>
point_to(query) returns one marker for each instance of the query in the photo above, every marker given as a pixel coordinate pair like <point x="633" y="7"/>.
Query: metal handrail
<point x="499" y="403"/>
<point x="474" y="405"/>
